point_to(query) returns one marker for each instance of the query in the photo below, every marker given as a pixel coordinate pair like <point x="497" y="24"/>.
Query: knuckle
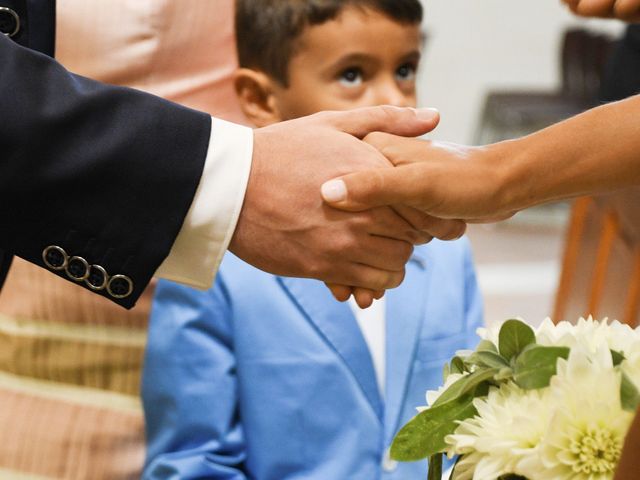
<point x="414" y="237"/>
<point x="316" y="268"/>
<point x="400" y="255"/>
<point x="375" y="139"/>
<point x="456" y="230"/>
<point x="342" y="243"/>
<point x="377" y="180"/>
<point x="447" y="230"/>
<point x="367" y="218"/>
<point x="424" y="239"/>
<point x="396" y="278"/>
<point x="406" y="251"/>
<point x="392" y="112"/>
<point x="593" y="9"/>
<point x="424" y="222"/>
<point x="627" y="11"/>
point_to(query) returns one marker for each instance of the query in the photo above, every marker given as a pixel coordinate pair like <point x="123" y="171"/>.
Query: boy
<point x="270" y="378"/>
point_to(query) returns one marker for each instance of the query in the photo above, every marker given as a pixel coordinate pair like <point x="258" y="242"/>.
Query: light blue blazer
<point x="269" y="378"/>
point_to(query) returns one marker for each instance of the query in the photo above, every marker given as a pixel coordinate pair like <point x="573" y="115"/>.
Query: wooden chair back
<point x="601" y="265"/>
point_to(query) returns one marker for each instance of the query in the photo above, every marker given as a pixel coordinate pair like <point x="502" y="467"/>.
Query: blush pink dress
<point x="70" y="361"/>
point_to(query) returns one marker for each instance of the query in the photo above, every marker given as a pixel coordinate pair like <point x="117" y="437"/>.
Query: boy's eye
<point x="351" y="77"/>
<point x="406" y="72"/>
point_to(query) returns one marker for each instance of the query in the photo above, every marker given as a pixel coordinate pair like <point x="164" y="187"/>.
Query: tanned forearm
<point x="595" y="152"/>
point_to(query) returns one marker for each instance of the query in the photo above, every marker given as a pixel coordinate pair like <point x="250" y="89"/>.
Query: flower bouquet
<point x="552" y="403"/>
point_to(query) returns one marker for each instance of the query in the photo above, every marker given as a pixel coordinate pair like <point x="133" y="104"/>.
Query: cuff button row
<point x="94" y="276"/>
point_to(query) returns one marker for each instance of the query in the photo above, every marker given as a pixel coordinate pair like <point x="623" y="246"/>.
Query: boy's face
<point x="360" y="58"/>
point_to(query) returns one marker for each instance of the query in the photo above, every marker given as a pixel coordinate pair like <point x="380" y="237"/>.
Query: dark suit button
<point x="98" y="278"/>
<point x="120" y="286"/>
<point x="77" y="269"/>
<point x="9" y="22"/>
<point x="55" y="257"/>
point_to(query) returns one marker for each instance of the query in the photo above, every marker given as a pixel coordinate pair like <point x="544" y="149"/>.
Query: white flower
<point x="589" y="334"/>
<point x="508" y="427"/>
<point x="572" y="430"/>
<point x="586" y="432"/>
<point x="492" y="332"/>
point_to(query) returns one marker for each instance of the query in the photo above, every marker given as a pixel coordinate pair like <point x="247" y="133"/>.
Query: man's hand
<point x="627" y="10"/>
<point x="452" y="184"/>
<point x="286" y="229"/>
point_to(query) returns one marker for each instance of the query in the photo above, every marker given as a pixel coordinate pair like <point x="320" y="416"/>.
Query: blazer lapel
<point x="405" y="311"/>
<point x="338" y="326"/>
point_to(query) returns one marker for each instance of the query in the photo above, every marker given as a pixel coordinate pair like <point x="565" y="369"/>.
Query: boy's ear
<point x="256" y="95"/>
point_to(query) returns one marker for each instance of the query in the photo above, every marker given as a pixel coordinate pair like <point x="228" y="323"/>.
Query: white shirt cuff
<point x="208" y="227"/>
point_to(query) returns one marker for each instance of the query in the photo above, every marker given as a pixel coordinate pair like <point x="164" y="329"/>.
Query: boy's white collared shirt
<point x="372" y="322"/>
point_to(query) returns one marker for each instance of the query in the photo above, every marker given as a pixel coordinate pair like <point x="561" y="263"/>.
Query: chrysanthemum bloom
<point x="587" y="429"/>
<point x="508" y="427"/>
<point x="589" y="334"/>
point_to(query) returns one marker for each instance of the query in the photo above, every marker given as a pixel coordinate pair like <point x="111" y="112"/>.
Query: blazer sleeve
<point x="95" y="180"/>
<point x="190" y="388"/>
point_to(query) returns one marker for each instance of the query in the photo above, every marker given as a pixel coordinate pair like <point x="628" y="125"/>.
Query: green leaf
<point x="423" y="436"/>
<point x="505" y="373"/>
<point x="465" y="385"/>
<point x="487" y="358"/>
<point x="514" y="336"/>
<point x="617" y="357"/>
<point x="435" y="467"/>
<point x="486" y="346"/>
<point x="457" y="365"/>
<point x="629" y="396"/>
<point x="535" y="366"/>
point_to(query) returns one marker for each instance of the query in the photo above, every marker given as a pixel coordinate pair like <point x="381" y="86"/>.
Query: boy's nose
<point x="390" y="94"/>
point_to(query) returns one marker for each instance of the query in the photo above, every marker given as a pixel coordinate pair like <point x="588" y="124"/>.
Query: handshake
<point x="350" y="209"/>
<point x="344" y="197"/>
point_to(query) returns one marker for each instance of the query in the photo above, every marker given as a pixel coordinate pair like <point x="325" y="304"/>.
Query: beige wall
<point x="479" y="45"/>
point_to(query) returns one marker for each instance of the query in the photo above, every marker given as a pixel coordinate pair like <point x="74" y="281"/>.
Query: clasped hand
<point x="285" y="227"/>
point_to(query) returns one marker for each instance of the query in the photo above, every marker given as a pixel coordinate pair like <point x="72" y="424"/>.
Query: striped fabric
<point x="70" y="361"/>
<point x="70" y="365"/>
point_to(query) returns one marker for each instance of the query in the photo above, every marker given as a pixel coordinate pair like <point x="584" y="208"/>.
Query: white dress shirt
<point x="208" y="227"/>
<point x="372" y="322"/>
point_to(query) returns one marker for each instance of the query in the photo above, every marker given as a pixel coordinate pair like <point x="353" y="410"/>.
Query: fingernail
<point x="334" y="191"/>
<point x="427" y="113"/>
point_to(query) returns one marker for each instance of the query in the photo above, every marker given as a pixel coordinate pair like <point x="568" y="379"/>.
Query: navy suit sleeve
<point x="190" y="387"/>
<point x="106" y="173"/>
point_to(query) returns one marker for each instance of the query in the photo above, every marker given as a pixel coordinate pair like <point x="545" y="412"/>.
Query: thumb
<point x="366" y="189"/>
<point x="406" y="122"/>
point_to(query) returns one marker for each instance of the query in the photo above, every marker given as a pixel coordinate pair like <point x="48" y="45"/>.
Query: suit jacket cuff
<point x="209" y="225"/>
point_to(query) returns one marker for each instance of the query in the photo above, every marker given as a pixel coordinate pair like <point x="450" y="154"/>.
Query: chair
<point x="601" y="265"/>
<point x="512" y="114"/>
